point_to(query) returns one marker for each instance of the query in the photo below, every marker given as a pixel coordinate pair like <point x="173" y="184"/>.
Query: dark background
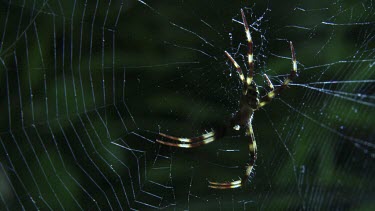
<point x="86" y="86"/>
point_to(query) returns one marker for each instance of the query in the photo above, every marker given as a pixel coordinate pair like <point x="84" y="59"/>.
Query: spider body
<point x="250" y="101"/>
<point x="248" y="104"/>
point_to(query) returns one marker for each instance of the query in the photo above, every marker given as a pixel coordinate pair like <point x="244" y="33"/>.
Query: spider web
<point x="86" y="86"/>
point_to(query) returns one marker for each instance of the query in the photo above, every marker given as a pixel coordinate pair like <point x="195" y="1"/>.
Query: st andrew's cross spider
<point x="250" y="102"/>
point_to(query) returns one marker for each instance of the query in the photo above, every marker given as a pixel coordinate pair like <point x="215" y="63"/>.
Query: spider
<point x="250" y="102"/>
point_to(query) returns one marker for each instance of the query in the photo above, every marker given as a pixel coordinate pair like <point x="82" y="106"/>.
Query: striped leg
<point x="238" y="68"/>
<point x="293" y="73"/>
<point x="269" y="83"/>
<point x="248" y="169"/>
<point x="250" y="60"/>
<point x="250" y="57"/>
<point x="188" y="142"/>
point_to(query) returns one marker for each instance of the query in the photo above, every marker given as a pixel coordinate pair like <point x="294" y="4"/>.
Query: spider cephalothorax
<point x="250" y="102"/>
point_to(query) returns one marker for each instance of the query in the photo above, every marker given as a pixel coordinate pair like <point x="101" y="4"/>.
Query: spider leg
<point x="238" y="68"/>
<point x="188" y="142"/>
<point x="225" y="185"/>
<point x="250" y="57"/>
<point x="248" y="169"/>
<point x="293" y="73"/>
<point x="269" y="83"/>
